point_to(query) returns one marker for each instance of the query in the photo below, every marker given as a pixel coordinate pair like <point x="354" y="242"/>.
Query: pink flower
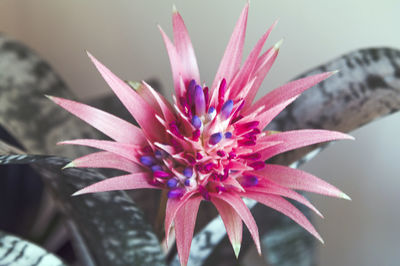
<point x="209" y="144"/>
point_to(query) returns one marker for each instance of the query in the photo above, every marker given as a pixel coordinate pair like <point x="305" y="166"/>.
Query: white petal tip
<point x="278" y="44"/>
<point x="236" y="249"/>
<point x="344" y="196"/>
<point x="49" y="97"/>
<point x="334" y="72"/>
<point x="69" y="165"/>
<point x="174" y="10"/>
<point x="79" y="192"/>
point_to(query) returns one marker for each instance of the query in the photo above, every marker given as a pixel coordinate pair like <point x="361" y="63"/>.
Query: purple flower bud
<point x="228" y="135"/>
<point x="175" y="193"/>
<point x="147" y="160"/>
<point x="196" y="122"/>
<point x="187" y="182"/>
<point x="188" y="172"/>
<point x="226" y="109"/>
<point x="249" y="180"/>
<point x="156" y="167"/>
<point x="199" y="101"/>
<point x="215" y="138"/>
<point x="171" y="183"/>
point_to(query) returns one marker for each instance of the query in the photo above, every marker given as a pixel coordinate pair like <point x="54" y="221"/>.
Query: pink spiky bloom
<point x="210" y="144"/>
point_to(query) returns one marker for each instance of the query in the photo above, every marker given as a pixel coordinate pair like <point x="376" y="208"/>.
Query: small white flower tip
<point x="77" y="193"/>
<point x="334" y="72"/>
<point x="49" y="96"/>
<point x="174" y="10"/>
<point x="278" y="44"/>
<point x="69" y="165"/>
<point x="344" y="196"/>
<point x="236" y="249"/>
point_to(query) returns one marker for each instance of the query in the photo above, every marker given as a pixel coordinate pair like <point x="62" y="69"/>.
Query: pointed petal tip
<point x="278" y="44"/>
<point x="77" y="193"/>
<point x="174" y="10"/>
<point x="49" y="97"/>
<point x="334" y="72"/>
<point x="345" y="196"/>
<point x="236" y="249"/>
<point x="69" y="165"/>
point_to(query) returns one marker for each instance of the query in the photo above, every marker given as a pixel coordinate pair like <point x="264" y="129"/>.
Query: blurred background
<point x="123" y="34"/>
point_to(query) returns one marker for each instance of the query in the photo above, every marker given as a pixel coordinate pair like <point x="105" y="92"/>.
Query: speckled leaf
<point x="15" y="251"/>
<point x="367" y="87"/>
<point x="108" y="228"/>
<point x="26" y="113"/>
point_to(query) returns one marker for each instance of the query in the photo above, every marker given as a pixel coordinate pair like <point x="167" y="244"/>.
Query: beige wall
<point x="123" y="34"/>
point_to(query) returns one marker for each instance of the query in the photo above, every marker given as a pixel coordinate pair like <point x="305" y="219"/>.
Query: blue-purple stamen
<point x="159" y="154"/>
<point x="215" y="138"/>
<point x="188" y="182"/>
<point x="171" y="183"/>
<point x="226" y="109"/>
<point x="156" y="167"/>
<point x="188" y="172"/>
<point x="147" y="160"/>
<point x="211" y="113"/>
<point x="249" y="180"/>
<point x="196" y="122"/>
<point x="228" y="135"/>
<point x="199" y="101"/>
<point x="175" y="193"/>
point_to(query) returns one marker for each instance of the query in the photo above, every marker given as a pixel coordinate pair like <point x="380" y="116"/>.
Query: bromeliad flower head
<point x="210" y="144"/>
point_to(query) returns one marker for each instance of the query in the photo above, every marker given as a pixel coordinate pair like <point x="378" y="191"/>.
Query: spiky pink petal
<point x="283" y="206"/>
<point x="124" y="182"/>
<point x="288" y="91"/>
<point x="184" y="48"/>
<point x="173" y="205"/>
<point x="176" y="64"/>
<point x="263" y="65"/>
<point x="298" y="138"/>
<point x="230" y="62"/>
<point x="185" y="220"/>
<point x="139" y="109"/>
<point x="128" y="151"/>
<point x="159" y="100"/>
<point x="300" y="180"/>
<point x="237" y="203"/>
<point x="268" y="187"/>
<point x="110" y="125"/>
<point x="104" y="159"/>
<point x="233" y="223"/>
<point x="243" y="76"/>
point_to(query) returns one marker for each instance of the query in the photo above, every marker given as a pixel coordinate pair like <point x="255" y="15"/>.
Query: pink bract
<point x="209" y="144"/>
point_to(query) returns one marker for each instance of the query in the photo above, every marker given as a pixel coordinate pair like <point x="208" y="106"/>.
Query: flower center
<point x="212" y="146"/>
